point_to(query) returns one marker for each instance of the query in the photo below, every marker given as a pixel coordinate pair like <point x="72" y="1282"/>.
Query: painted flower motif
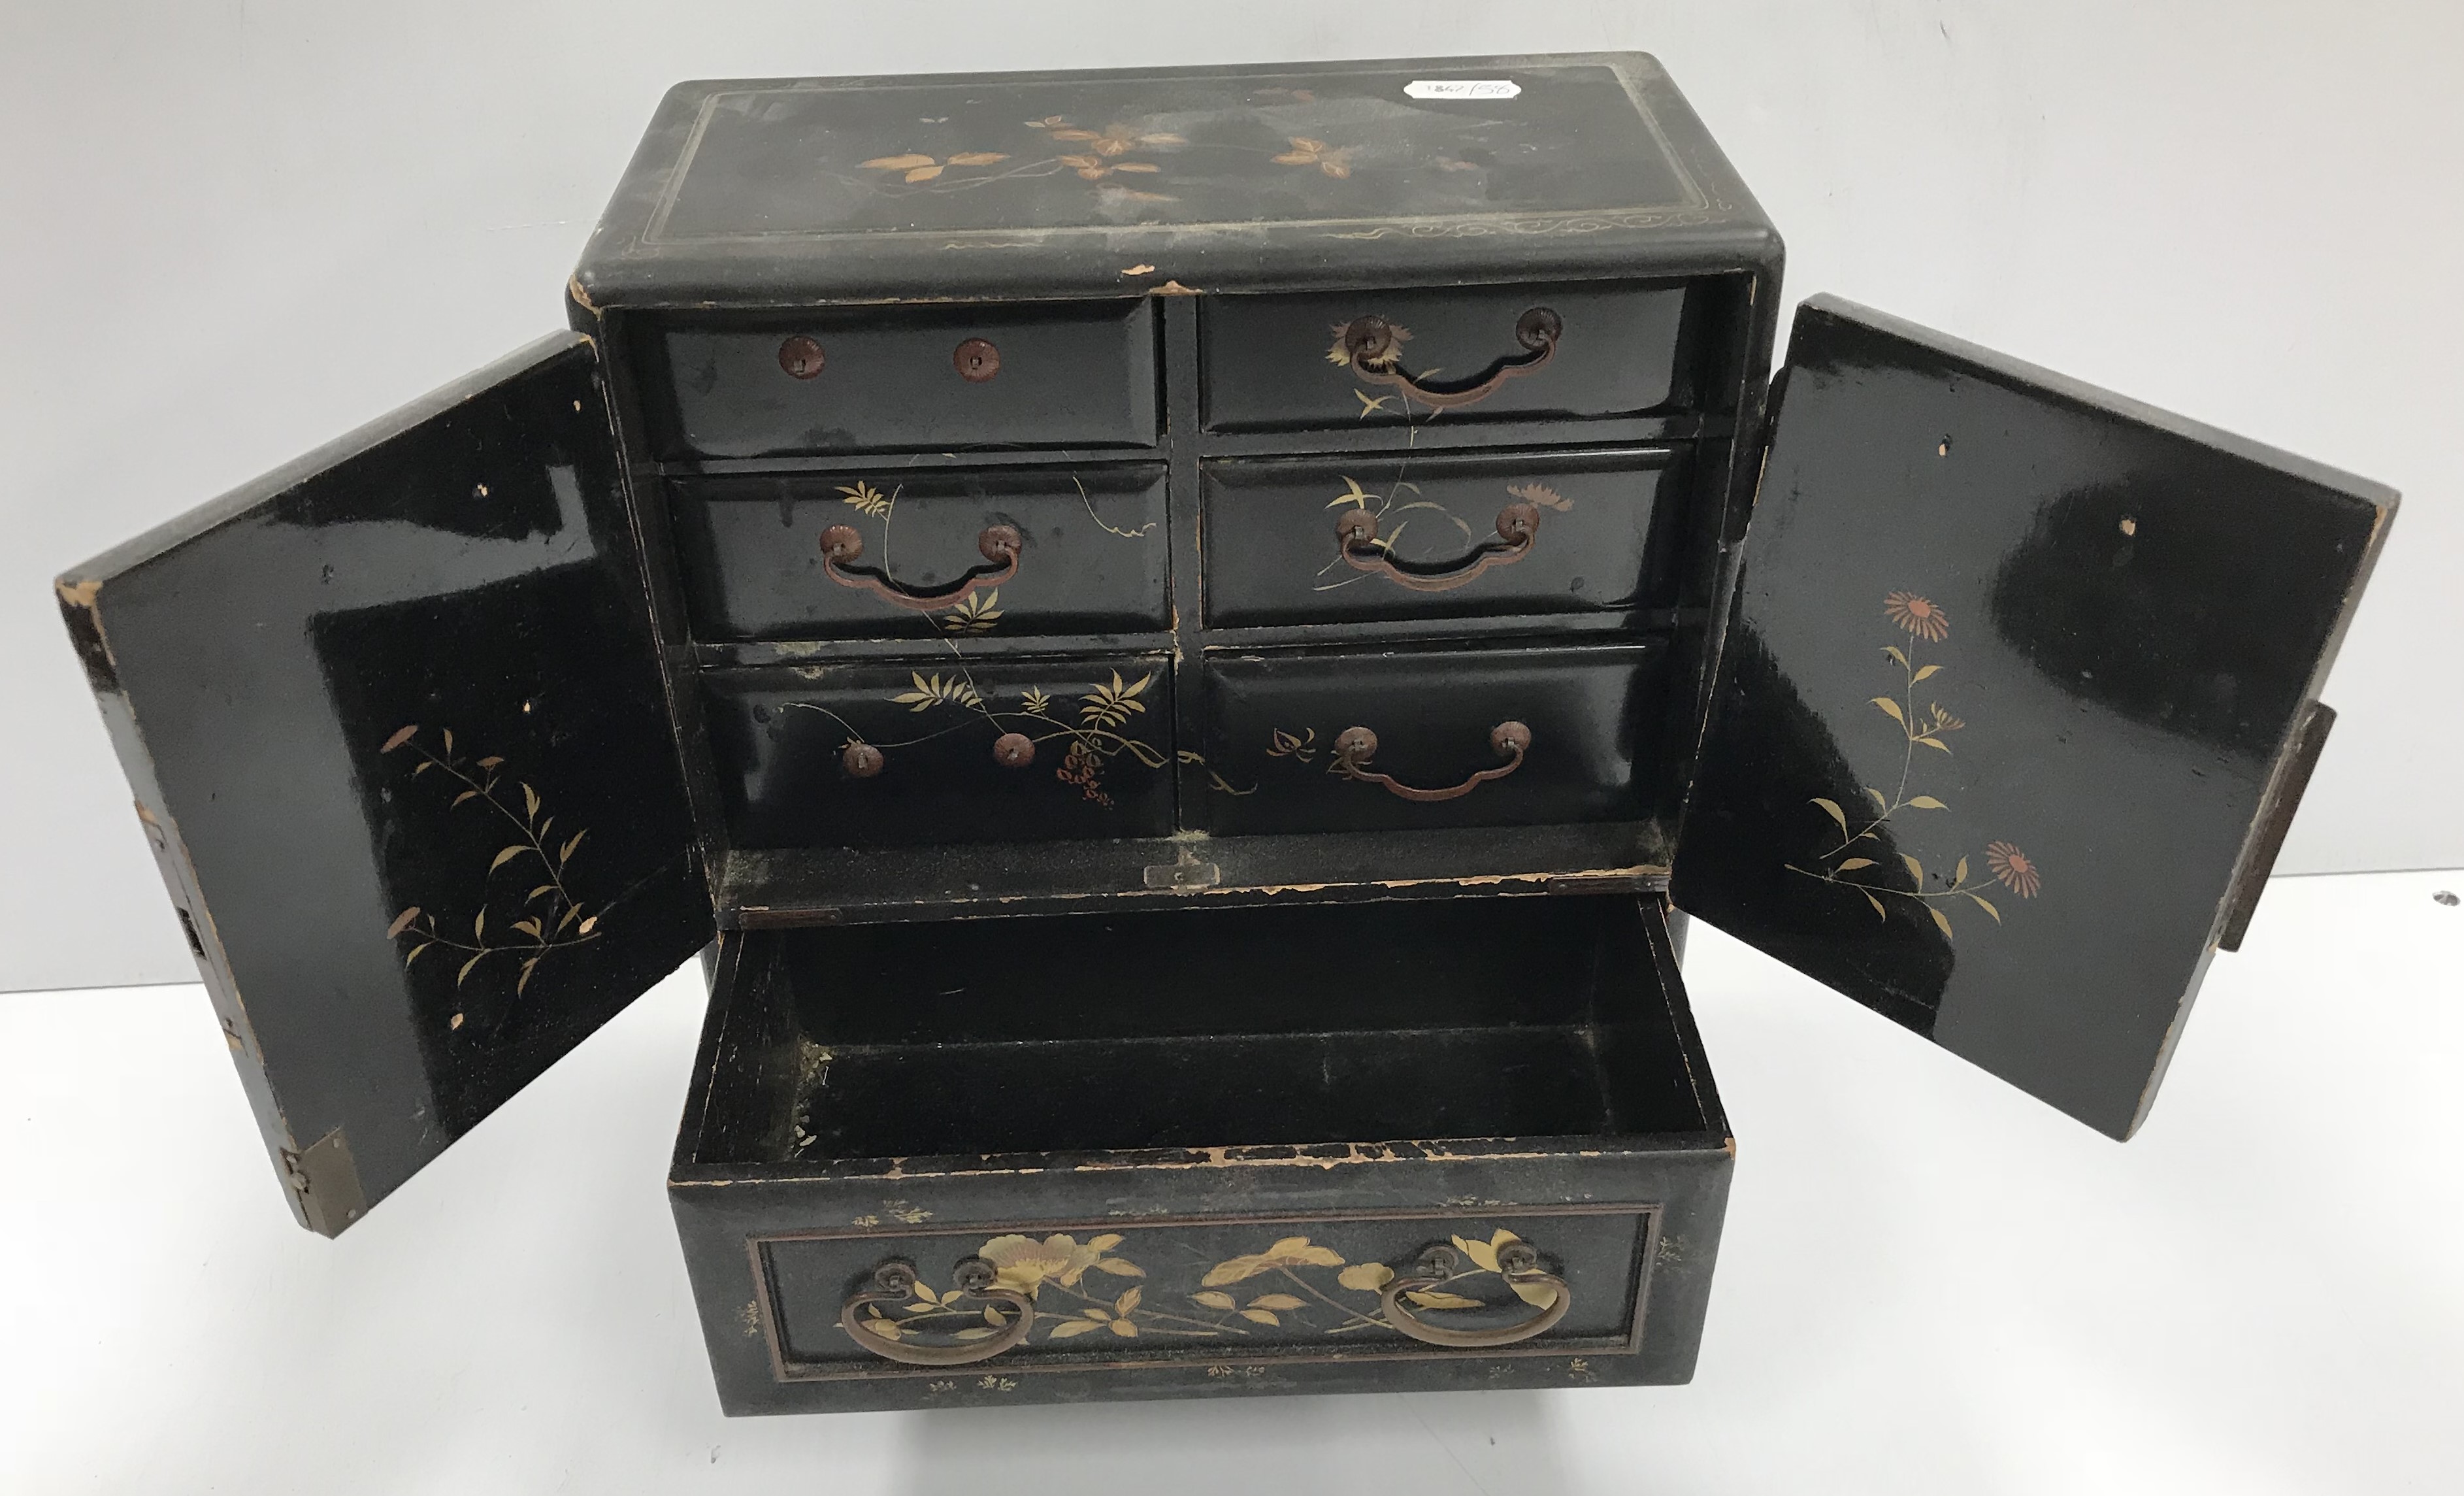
<point x="1113" y="140"/>
<point x="917" y="167"/>
<point x="1293" y="1251"/>
<point x="1096" y="168"/>
<point x="1024" y="1263"/>
<point x="1384" y="358"/>
<point x="1335" y="162"/>
<point x="1919" y="616"/>
<point x="2014" y="867"/>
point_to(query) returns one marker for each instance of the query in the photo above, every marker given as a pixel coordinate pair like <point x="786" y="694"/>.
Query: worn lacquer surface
<point x="395" y="725"/>
<point x="1195" y="177"/>
<point x="2013" y="661"/>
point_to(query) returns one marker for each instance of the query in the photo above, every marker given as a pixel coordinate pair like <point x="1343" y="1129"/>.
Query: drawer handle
<point x="1375" y="349"/>
<point x="894" y="1288"/>
<point x="841" y="546"/>
<point x="1355" y="746"/>
<point x="1516" y="1263"/>
<point x="1356" y="536"/>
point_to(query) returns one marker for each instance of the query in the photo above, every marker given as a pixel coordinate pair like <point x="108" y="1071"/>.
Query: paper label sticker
<point x="1462" y="88"/>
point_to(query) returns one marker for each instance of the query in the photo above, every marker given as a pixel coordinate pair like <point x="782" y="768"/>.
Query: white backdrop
<point x="234" y="230"/>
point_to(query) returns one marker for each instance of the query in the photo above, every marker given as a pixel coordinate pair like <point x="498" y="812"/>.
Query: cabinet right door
<point x="2016" y="698"/>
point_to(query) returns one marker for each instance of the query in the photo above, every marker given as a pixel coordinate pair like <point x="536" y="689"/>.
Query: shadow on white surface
<point x="1928" y="1283"/>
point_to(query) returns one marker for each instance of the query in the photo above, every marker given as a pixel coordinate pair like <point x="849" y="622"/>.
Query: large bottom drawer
<point x="1462" y="1143"/>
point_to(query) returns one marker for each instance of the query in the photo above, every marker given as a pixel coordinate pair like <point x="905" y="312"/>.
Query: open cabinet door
<point x="397" y="734"/>
<point x="2017" y="700"/>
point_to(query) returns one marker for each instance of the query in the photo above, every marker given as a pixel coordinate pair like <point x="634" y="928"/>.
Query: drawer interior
<point x="1478" y="1017"/>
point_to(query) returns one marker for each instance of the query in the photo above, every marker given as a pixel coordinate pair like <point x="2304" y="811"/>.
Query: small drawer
<point x="1191" y="1151"/>
<point x="891" y="553"/>
<point x="1584" y="349"/>
<point x="1323" y="540"/>
<point x="1327" y="741"/>
<point x="871" y="379"/>
<point x="944" y="749"/>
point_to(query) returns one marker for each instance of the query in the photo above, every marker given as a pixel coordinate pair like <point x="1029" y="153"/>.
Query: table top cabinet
<point x="1179" y="641"/>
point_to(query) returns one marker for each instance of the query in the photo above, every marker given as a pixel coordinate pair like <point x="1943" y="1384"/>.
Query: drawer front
<point x="1279" y="756"/>
<point x="909" y="379"/>
<point x="1333" y="541"/>
<point x="1337" y="1287"/>
<point x="879" y="754"/>
<point x="1566" y="351"/>
<point x="768" y="558"/>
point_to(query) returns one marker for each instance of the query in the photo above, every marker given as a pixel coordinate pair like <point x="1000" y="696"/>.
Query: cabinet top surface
<point x="1093" y="183"/>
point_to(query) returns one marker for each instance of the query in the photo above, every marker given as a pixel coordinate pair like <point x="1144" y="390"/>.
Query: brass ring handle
<point x="1356" y="536"/>
<point x="1355" y="746"/>
<point x="1375" y="349"/>
<point x="841" y="546"/>
<point x="1517" y="1264"/>
<point x="895" y="1283"/>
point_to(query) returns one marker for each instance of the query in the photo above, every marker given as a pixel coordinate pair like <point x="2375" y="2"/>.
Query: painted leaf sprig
<point x="1110" y="706"/>
<point x="1333" y="161"/>
<point x="915" y="166"/>
<point x="1846" y="863"/>
<point x="545" y="920"/>
<point x="1542" y="494"/>
<point x="865" y="498"/>
<point x="977" y="613"/>
<point x="932" y="690"/>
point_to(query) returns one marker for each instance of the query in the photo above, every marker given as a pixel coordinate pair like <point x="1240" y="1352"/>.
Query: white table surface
<point x="1928" y="1283"/>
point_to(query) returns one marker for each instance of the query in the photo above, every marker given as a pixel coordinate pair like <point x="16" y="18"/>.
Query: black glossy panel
<point x="1077" y="374"/>
<point x="2006" y="640"/>
<point x="1272" y="718"/>
<point x="1092" y="562"/>
<point x="1167" y="148"/>
<point x="402" y="707"/>
<point x="1273" y="555"/>
<point x="1269" y="365"/>
<point x="1101" y="734"/>
<point x="801" y="192"/>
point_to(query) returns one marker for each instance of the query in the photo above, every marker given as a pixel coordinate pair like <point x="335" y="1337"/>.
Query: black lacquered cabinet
<point x="1175" y="639"/>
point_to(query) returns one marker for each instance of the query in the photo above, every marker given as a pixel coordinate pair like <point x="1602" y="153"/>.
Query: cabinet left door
<point x="394" y="720"/>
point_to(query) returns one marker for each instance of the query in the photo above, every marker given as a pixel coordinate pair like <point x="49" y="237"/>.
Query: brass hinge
<point x="325" y="1183"/>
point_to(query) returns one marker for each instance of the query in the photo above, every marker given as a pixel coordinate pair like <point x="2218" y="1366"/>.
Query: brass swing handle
<point x="1517" y="1264"/>
<point x="895" y="1285"/>
<point x="1376" y="352"/>
<point x="1355" y="746"/>
<point x="1356" y="536"/>
<point x="841" y="546"/>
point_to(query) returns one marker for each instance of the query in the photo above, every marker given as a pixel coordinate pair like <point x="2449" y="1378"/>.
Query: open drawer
<point x="1460" y="1143"/>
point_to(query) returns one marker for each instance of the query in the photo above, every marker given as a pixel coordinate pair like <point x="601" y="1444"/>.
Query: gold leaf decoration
<point x="1925" y="622"/>
<point x="865" y="498"/>
<point x="1295" y="1252"/>
<point x="1366" y="1277"/>
<point x="536" y="940"/>
<point x="1542" y="494"/>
